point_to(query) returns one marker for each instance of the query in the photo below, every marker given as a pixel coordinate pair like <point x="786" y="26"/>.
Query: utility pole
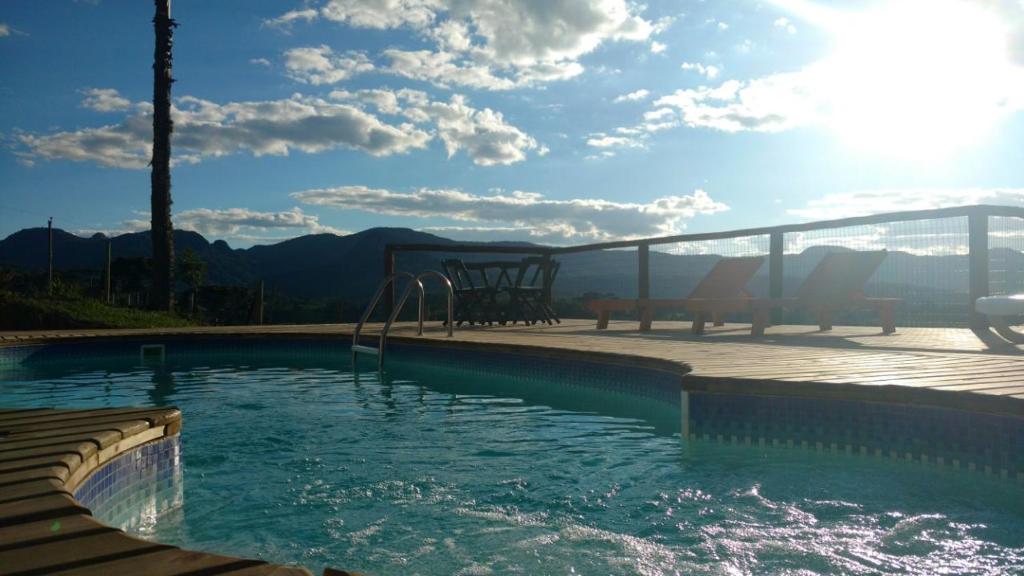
<point x="49" y="259"/>
<point x="160" y="177"/>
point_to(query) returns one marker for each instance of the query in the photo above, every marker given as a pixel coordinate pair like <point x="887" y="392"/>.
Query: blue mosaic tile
<point x="132" y="490"/>
<point x="986" y="442"/>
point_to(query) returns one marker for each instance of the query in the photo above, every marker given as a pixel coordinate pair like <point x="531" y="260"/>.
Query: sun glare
<point x="917" y="79"/>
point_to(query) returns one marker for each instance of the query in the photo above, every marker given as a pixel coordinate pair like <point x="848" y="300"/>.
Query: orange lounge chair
<point x="836" y="283"/>
<point x="720" y="291"/>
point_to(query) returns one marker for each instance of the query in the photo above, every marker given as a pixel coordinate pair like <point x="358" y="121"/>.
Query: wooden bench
<point x="646" y="309"/>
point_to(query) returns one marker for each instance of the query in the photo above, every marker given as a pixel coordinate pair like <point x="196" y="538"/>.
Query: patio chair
<point x="836" y="283"/>
<point x="720" y="291"/>
<point x="473" y="304"/>
<point x="528" y="300"/>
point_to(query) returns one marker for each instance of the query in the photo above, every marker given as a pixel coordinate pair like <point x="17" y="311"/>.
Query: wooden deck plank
<point x="151" y="418"/>
<point x="124" y="428"/>
<point x="64" y="417"/>
<point x="42" y="530"/>
<point x="170" y="562"/>
<point x="39" y="508"/>
<point x="101" y="438"/>
<point x="31" y="489"/>
<point x="85" y="550"/>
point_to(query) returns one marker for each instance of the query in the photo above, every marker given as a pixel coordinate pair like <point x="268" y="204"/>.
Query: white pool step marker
<point x="1001" y="310"/>
<point x="152" y="353"/>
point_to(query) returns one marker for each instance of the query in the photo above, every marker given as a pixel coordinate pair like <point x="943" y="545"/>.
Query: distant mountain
<point x="326" y="266"/>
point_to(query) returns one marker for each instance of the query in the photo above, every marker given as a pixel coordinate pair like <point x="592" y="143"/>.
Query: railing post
<point x="776" y="248"/>
<point x="546" y="278"/>
<point x="389" y="269"/>
<point x="977" y="265"/>
<point x="643" y="253"/>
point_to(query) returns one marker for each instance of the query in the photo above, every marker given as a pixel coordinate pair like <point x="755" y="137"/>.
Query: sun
<point x="916" y="79"/>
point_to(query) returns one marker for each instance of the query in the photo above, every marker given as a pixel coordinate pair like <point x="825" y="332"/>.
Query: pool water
<point x="431" y="470"/>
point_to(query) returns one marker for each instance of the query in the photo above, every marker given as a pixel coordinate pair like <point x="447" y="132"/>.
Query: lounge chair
<point x="721" y="290"/>
<point x="836" y="283"/>
<point x="1003" y="313"/>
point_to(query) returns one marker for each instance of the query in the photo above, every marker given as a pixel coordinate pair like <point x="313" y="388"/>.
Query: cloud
<point x="783" y="23"/>
<point x="770" y="104"/>
<point x="708" y="71"/>
<point x="878" y="201"/>
<point x="574" y="219"/>
<point x="285" y="20"/>
<point x="658" y="47"/>
<point x="260" y="62"/>
<point x="105" y="100"/>
<point x="233" y="222"/>
<point x="633" y="96"/>
<point x="205" y="129"/>
<point x="6" y="30"/>
<point x="602" y="140"/>
<point x="320" y="65"/>
<point x="484" y="134"/>
<point x="489" y="44"/>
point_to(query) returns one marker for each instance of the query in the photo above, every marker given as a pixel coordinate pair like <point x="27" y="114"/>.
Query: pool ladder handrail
<point x="414" y="282"/>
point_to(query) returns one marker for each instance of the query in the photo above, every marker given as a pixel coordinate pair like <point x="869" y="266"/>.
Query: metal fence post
<point x="389" y="269"/>
<point x="977" y="265"/>
<point x="643" y="253"/>
<point x="776" y="248"/>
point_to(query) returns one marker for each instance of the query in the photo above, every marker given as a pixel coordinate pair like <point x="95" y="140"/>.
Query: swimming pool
<point x="479" y="464"/>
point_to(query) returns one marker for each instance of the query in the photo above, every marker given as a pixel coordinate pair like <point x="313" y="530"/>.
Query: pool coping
<point x="692" y="379"/>
<point x="45" y="455"/>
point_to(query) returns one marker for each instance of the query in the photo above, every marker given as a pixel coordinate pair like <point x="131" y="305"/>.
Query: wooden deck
<point x="945" y="366"/>
<point x="45" y="455"/>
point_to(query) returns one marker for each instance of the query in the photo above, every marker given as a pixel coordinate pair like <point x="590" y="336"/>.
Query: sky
<point x="556" y="121"/>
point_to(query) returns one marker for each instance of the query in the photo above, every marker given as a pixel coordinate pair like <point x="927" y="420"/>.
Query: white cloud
<point x="878" y="201"/>
<point x="484" y="134"/>
<point x="320" y="65"/>
<point x="708" y="71"/>
<point x="5" y="30"/>
<point x="602" y="140"/>
<point x="491" y="44"/>
<point x="770" y="104"/>
<point x="260" y="62"/>
<point x="783" y="23"/>
<point x="635" y="96"/>
<point x="205" y="129"/>
<point x="285" y="20"/>
<point x="104" y="100"/>
<point x="574" y="219"/>
<point x="658" y="47"/>
<point x="232" y="222"/>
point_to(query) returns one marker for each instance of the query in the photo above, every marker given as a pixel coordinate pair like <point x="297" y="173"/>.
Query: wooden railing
<point x="977" y="229"/>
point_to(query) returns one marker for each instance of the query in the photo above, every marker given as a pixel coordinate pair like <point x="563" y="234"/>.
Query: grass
<point x="18" y="312"/>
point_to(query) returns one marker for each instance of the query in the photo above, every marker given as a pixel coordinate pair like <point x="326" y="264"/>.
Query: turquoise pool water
<point x="433" y="470"/>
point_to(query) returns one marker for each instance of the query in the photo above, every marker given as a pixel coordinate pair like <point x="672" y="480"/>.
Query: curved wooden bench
<point x="45" y="455"/>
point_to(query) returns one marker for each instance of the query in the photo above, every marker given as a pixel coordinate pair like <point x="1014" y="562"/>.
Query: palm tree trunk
<point x="160" y="178"/>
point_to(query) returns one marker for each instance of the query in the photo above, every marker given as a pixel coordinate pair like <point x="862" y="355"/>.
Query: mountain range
<point x="327" y="266"/>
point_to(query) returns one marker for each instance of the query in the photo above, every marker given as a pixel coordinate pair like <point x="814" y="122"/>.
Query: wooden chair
<point x="721" y="290"/>
<point x="473" y="304"/>
<point x="836" y="283"/>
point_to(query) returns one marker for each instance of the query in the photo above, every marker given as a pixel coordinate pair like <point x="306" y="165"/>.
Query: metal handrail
<point x="451" y="299"/>
<point x="414" y="282"/>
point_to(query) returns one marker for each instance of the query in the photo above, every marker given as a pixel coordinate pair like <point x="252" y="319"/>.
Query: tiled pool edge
<point x="44" y="529"/>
